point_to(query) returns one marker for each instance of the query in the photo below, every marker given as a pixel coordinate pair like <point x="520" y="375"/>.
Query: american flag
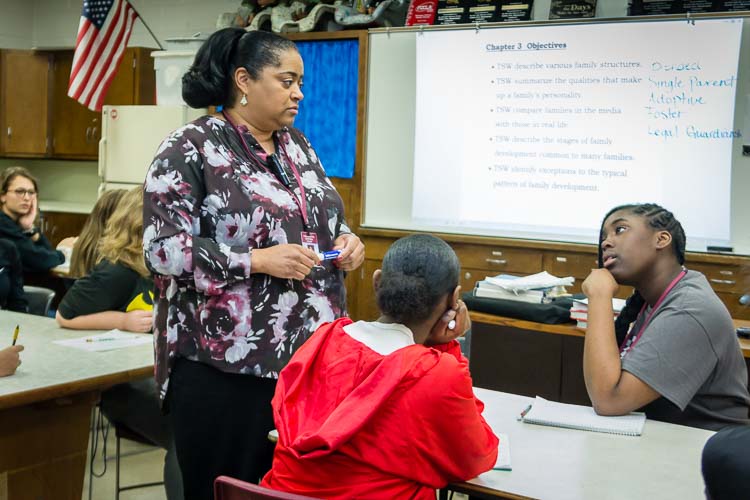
<point x="103" y="34"/>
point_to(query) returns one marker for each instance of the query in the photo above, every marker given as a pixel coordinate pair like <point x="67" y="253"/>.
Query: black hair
<point x="418" y="271"/>
<point x="660" y="219"/>
<point x="210" y="79"/>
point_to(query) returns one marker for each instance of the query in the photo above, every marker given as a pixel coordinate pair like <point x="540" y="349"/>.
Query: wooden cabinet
<point x="76" y="130"/>
<point x="516" y="361"/>
<point x="499" y="259"/>
<point x="481" y="257"/>
<point x="57" y="226"/>
<point x="75" y="137"/>
<point x="38" y="119"/>
<point x="24" y="103"/>
<point x="730" y="279"/>
<point x="477" y="262"/>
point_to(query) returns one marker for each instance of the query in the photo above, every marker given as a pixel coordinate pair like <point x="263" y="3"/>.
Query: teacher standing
<point x="237" y="208"/>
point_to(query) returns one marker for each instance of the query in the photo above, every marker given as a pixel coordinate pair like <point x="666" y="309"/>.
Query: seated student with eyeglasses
<point x="18" y="200"/>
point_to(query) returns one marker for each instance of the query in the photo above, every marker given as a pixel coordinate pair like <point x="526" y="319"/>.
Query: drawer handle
<point x="722" y="282"/>
<point x="561" y="259"/>
<point x="497" y="253"/>
<point x="726" y="273"/>
<point x="500" y="262"/>
<point x="745" y="299"/>
<point x="467" y="276"/>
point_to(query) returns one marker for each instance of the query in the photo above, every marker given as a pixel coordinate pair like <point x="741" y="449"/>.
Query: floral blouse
<point x="207" y="205"/>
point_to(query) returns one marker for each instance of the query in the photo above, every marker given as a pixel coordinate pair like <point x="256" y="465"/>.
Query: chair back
<point x="227" y="488"/>
<point x="39" y="299"/>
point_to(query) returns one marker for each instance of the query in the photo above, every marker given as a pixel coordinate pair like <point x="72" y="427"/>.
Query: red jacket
<point x="353" y="423"/>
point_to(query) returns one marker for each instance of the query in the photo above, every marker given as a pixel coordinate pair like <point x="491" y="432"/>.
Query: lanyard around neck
<point x="625" y="347"/>
<point x="301" y="203"/>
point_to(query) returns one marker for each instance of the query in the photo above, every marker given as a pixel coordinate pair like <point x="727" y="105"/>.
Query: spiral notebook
<point x="583" y="418"/>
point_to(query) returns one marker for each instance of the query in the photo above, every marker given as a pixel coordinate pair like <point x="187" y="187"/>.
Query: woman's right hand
<point x="138" y="321"/>
<point x="284" y="261"/>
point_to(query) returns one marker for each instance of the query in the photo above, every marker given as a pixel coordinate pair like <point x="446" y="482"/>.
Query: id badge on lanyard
<point x="310" y="240"/>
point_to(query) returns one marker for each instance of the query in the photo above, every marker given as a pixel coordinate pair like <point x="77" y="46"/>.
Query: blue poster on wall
<point x="328" y="113"/>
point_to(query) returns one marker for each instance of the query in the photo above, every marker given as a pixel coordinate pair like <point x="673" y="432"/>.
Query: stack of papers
<point x="536" y="288"/>
<point x="109" y="341"/>
<point x="579" y="311"/>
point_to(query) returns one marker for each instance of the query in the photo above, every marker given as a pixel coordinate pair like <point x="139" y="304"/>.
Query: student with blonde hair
<point x="118" y="294"/>
<point x="104" y="298"/>
<point x="86" y="249"/>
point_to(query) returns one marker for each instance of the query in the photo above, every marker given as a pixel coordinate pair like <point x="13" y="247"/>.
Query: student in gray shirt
<point x="680" y="361"/>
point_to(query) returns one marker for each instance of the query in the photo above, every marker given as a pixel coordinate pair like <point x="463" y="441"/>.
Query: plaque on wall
<point x="514" y="11"/>
<point x="452" y="12"/>
<point x="569" y="9"/>
<point x="731" y="5"/>
<point x="655" y="7"/>
<point x="483" y="11"/>
<point x="421" y="12"/>
<point x="697" y="6"/>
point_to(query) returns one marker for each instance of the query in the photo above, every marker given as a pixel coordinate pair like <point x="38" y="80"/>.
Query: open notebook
<point x="584" y="418"/>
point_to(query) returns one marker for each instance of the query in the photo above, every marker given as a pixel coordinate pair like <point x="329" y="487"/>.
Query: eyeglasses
<point x="23" y="192"/>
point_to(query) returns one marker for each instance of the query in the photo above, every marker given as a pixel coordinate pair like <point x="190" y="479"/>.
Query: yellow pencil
<point x="15" y="335"/>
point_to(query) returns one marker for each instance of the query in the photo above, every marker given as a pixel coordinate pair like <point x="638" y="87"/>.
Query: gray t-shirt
<point x="689" y="354"/>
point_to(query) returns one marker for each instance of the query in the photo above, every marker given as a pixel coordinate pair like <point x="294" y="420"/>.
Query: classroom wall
<point x="16" y="24"/>
<point x="66" y="181"/>
<point x="56" y="21"/>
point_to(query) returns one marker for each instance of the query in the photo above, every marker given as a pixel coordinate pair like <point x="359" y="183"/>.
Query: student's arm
<point x="96" y="302"/>
<point x="453" y="442"/>
<point x="36" y="256"/>
<point x="16" y="300"/>
<point x="612" y="390"/>
<point x="133" y="321"/>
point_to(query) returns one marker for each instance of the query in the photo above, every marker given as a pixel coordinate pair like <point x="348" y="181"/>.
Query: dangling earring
<point x="243" y="101"/>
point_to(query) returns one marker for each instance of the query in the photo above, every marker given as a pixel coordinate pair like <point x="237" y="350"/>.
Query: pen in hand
<point x="15" y="335"/>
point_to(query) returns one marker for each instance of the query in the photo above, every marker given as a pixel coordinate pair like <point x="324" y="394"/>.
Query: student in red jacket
<point x="385" y="409"/>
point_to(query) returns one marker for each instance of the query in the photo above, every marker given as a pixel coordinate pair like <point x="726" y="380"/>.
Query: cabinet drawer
<point x="732" y="301"/>
<point x="724" y="278"/>
<point x="562" y="264"/>
<point x="498" y="260"/>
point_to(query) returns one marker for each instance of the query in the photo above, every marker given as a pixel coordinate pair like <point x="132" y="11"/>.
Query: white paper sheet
<point x="108" y="341"/>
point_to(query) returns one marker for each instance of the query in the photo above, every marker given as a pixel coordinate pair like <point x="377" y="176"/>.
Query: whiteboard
<point x="536" y="131"/>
